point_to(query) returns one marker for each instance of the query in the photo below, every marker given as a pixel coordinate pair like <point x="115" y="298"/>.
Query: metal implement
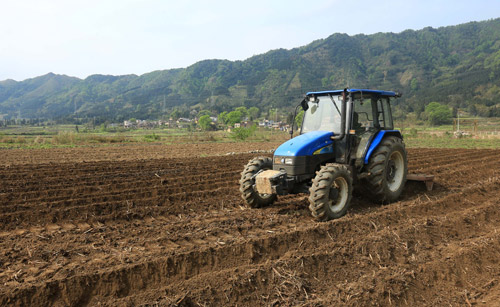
<point x="427" y="179"/>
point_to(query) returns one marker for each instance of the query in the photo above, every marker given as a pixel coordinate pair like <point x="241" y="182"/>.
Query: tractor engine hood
<point x="307" y="144"/>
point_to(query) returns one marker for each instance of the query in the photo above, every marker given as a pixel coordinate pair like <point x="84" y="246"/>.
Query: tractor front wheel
<point x="331" y="192"/>
<point x="251" y="197"/>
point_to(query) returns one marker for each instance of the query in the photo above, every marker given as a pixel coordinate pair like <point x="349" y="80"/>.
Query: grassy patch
<point x="449" y="141"/>
<point x="62" y="139"/>
<point x="152" y="137"/>
<point x="38" y="137"/>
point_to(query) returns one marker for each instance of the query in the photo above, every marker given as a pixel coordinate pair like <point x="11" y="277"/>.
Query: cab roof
<point x="353" y="91"/>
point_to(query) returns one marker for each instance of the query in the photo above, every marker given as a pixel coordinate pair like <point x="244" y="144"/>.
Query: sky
<point x="116" y="37"/>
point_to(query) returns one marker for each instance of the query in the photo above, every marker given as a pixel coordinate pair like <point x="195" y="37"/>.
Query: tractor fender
<point x="377" y="139"/>
<point x="306" y="144"/>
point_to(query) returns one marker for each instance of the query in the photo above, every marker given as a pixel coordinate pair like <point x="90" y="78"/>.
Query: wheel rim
<point x="338" y="194"/>
<point x="395" y="171"/>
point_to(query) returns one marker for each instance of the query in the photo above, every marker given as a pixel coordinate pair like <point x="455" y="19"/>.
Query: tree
<point x="205" y="123"/>
<point x="273" y="114"/>
<point x="253" y="112"/>
<point x="222" y="117"/>
<point x="438" y="114"/>
<point x="204" y="112"/>
<point x="299" y="118"/>
<point x="472" y="109"/>
<point x="175" y="114"/>
<point x="414" y="84"/>
<point x="243" y="111"/>
<point x="233" y="117"/>
<point x="398" y="113"/>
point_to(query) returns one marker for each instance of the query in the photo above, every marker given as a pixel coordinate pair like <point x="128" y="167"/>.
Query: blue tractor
<point x="347" y="139"/>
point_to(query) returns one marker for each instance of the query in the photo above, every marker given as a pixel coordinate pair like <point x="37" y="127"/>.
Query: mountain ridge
<point x="458" y="65"/>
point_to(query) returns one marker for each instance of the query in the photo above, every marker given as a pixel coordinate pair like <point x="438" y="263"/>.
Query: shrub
<point x="209" y="137"/>
<point x="151" y="137"/>
<point x="438" y="114"/>
<point x="243" y="133"/>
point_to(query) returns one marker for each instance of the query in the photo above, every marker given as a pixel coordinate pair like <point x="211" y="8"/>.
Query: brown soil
<point x="174" y="231"/>
<point x="128" y="152"/>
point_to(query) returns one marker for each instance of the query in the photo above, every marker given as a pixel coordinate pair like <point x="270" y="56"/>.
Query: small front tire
<point x="331" y="192"/>
<point x="251" y="197"/>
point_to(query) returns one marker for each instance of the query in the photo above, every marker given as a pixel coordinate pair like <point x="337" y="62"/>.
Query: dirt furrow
<point x="100" y="194"/>
<point x="370" y="249"/>
<point x="177" y="233"/>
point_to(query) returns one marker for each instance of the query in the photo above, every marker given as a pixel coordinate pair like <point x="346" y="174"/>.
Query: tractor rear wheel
<point x="251" y="197"/>
<point x="331" y="192"/>
<point x="387" y="167"/>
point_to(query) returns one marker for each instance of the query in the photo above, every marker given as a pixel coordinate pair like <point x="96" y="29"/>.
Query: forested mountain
<point x="457" y="65"/>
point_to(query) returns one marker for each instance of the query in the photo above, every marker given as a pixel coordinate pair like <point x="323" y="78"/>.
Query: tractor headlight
<point x="283" y="160"/>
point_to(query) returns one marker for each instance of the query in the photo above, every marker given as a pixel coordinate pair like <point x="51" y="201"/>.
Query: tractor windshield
<point x="323" y="115"/>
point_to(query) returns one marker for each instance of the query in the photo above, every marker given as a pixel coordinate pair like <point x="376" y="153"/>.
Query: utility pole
<point x="164" y="104"/>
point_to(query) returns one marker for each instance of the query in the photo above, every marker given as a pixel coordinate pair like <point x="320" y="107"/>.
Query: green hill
<point x="457" y="65"/>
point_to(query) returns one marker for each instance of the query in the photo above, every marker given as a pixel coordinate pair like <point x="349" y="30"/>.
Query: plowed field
<point x="174" y="231"/>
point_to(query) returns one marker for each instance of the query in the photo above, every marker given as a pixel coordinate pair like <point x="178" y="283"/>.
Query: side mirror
<point x="304" y="105"/>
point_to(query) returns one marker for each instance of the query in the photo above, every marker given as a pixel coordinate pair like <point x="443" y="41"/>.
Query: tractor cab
<point x="365" y="110"/>
<point x="347" y="136"/>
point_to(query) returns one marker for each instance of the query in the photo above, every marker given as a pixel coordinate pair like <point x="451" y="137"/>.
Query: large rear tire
<point x="388" y="167"/>
<point x="331" y="192"/>
<point x="251" y="197"/>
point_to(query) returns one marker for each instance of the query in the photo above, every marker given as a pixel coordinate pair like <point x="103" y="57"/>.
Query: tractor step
<point x="427" y="179"/>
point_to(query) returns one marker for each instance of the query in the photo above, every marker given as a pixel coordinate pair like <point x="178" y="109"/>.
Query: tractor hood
<point x="305" y="144"/>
